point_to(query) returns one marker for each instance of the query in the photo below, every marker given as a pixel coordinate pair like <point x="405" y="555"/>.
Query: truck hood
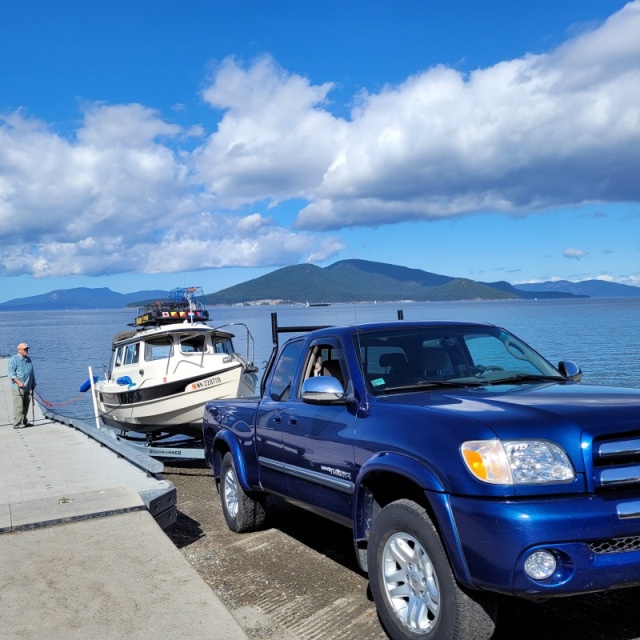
<point x="508" y="410"/>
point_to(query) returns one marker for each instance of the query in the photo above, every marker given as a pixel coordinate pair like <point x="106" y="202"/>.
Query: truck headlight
<point x="517" y="461"/>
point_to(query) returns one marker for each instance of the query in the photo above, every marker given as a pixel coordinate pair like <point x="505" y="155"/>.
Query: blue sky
<point x="161" y="144"/>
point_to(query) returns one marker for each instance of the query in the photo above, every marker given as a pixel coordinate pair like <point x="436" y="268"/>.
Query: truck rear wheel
<point x="416" y="594"/>
<point x="241" y="511"/>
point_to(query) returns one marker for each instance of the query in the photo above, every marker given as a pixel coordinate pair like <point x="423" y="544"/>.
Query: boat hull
<point x="174" y="407"/>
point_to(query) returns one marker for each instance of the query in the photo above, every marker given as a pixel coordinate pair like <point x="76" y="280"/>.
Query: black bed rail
<point x="277" y="330"/>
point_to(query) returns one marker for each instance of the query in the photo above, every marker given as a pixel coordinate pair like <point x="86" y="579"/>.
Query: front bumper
<point x="595" y="542"/>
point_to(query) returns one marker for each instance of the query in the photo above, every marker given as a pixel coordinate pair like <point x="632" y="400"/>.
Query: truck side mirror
<point x="570" y="370"/>
<point x="323" y="390"/>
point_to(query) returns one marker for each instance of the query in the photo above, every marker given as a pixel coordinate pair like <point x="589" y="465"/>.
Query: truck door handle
<point x="293" y="420"/>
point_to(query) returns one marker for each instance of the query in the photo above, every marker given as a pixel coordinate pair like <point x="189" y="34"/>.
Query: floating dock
<point x="82" y="548"/>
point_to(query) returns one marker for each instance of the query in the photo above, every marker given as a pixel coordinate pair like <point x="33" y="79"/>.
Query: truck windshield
<point x="453" y="354"/>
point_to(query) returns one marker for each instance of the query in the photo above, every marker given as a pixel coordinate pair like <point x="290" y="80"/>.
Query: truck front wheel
<point x="416" y="594"/>
<point x="241" y="511"/>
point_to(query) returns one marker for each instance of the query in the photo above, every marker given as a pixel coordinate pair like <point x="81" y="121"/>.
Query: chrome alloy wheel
<point x="231" y="492"/>
<point x="410" y="582"/>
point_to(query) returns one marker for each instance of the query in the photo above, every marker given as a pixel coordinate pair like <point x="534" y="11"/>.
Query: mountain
<point x="365" y="281"/>
<point x="80" y="298"/>
<point x="343" y="281"/>
<point x="533" y="294"/>
<point x="395" y="272"/>
<point x="355" y="281"/>
<point x="586" y="288"/>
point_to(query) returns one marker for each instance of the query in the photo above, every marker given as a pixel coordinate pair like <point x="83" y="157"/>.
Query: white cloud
<point x="548" y="130"/>
<point x="124" y="194"/>
<point x="115" y="178"/>
<point x="575" y="254"/>
<point x="118" y="199"/>
<point x="274" y="140"/>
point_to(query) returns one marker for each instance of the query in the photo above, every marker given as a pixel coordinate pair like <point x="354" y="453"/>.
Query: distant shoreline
<point x="277" y="303"/>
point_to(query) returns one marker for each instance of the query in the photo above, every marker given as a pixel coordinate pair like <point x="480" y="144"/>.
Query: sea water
<point x="601" y="335"/>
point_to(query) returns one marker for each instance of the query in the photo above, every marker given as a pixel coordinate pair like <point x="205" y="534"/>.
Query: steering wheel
<point x="481" y="369"/>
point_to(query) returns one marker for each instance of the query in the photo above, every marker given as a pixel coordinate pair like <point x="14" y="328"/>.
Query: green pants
<point x="21" y="399"/>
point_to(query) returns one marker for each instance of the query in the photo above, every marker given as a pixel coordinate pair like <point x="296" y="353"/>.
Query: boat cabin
<point x="135" y="348"/>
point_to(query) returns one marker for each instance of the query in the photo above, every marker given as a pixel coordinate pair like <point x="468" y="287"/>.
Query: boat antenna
<point x="190" y="299"/>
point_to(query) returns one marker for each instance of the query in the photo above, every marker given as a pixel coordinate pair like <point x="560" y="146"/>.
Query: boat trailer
<point x="161" y="445"/>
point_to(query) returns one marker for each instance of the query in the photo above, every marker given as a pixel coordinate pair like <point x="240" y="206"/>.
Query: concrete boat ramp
<point x="82" y="548"/>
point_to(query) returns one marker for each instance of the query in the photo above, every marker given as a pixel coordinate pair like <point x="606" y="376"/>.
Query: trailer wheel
<point x="242" y="512"/>
<point x="413" y="586"/>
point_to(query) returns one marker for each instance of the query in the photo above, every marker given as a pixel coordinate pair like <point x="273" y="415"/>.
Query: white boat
<point x="163" y="372"/>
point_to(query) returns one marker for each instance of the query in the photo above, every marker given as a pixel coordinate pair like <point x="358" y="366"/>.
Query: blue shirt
<point x="22" y="369"/>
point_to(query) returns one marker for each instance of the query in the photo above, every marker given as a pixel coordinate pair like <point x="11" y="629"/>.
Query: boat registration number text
<point x="203" y="384"/>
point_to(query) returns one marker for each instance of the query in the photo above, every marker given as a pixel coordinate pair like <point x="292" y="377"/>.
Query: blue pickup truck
<point x="466" y="465"/>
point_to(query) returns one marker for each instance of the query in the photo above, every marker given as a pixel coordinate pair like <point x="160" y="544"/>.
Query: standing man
<point x="23" y="382"/>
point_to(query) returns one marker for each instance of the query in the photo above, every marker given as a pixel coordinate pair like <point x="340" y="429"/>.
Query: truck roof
<point x="396" y="324"/>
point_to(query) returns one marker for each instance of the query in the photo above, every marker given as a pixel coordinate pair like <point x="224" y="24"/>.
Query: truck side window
<point x="325" y="359"/>
<point x="282" y="380"/>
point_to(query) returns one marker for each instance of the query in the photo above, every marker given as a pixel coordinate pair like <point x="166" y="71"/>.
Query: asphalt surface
<point x="298" y="579"/>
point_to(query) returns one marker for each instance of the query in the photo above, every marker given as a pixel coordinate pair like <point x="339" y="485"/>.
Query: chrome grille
<point x="616" y="462"/>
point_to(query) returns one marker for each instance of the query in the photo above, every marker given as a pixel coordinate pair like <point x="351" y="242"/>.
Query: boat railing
<point x="249" y="341"/>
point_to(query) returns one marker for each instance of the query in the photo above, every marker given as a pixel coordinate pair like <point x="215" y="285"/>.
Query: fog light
<point x="540" y="565"/>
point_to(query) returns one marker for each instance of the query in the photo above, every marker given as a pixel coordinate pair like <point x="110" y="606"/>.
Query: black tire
<point x="416" y="594"/>
<point x="242" y="512"/>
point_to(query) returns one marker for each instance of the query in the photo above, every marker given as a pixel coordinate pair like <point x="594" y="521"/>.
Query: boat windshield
<point x="158" y="348"/>
<point x="222" y="345"/>
<point x="126" y="354"/>
<point x="193" y="344"/>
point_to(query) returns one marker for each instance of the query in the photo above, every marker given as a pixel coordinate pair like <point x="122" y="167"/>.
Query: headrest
<point x="433" y="359"/>
<point x="331" y="368"/>
<point x="393" y="360"/>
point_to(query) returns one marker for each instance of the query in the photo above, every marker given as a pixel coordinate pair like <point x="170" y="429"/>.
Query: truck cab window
<point x="282" y="379"/>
